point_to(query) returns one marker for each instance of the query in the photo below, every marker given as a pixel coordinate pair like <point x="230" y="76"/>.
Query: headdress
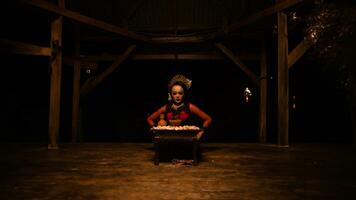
<point x="180" y="78"/>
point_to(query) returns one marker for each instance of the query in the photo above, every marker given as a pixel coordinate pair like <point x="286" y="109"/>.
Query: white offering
<point x="176" y="128"/>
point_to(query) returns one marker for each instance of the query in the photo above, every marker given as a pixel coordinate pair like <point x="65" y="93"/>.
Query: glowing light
<point x="247" y="94"/>
<point x="294" y="16"/>
<point x="313" y="35"/>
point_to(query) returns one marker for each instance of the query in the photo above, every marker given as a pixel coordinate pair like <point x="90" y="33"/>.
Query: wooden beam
<point x="8" y="46"/>
<point x="191" y="56"/>
<point x="56" y="75"/>
<point x="177" y="39"/>
<point x="263" y="96"/>
<point x="156" y="40"/>
<point x="283" y="85"/>
<point x="279" y="6"/>
<point x="172" y="28"/>
<point x="239" y="63"/>
<point x="177" y="57"/>
<point x="86" y="20"/>
<point x="298" y="52"/>
<point x="264" y="13"/>
<point x="76" y="86"/>
<point x="92" y="83"/>
<point x="91" y="60"/>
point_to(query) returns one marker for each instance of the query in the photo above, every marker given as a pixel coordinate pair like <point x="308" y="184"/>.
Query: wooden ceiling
<point x="110" y="26"/>
<point x="173" y="17"/>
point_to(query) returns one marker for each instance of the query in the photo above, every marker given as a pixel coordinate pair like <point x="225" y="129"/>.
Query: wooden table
<point x="175" y="136"/>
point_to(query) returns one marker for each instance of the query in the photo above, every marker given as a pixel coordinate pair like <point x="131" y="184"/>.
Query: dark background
<point x="116" y="110"/>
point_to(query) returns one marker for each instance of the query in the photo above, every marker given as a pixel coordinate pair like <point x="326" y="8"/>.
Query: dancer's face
<point x="177" y="94"/>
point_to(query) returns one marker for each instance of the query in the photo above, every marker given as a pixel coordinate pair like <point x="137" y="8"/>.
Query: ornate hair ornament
<point x="180" y="78"/>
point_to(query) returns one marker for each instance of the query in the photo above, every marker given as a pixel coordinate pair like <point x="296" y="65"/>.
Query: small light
<point x="275" y="29"/>
<point x="247" y="94"/>
<point x="313" y="34"/>
<point x="294" y="16"/>
<point x="88" y="71"/>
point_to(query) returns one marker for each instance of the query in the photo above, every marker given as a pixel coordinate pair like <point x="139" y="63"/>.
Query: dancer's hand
<point x="200" y="134"/>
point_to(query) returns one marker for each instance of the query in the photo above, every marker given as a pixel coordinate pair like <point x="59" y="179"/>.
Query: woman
<point x="178" y="111"/>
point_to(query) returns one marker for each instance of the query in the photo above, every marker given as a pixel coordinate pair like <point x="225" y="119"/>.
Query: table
<point x="166" y="136"/>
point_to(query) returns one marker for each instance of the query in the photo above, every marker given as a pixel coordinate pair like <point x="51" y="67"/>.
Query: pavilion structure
<point x="272" y="15"/>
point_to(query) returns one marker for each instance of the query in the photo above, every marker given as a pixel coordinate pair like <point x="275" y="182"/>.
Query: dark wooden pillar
<point x="263" y="96"/>
<point x="283" y="86"/>
<point x="55" y="87"/>
<point x="76" y="85"/>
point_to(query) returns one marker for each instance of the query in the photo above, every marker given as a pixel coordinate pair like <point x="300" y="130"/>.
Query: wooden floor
<point x="226" y="171"/>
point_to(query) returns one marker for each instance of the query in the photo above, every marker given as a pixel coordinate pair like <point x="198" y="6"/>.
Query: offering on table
<point x="176" y="128"/>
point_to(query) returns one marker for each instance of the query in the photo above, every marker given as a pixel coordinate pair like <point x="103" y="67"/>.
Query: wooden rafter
<point x="239" y="63"/>
<point x="179" y="56"/>
<point x="264" y="13"/>
<point x="92" y="60"/>
<point x="92" y="83"/>
<point x="298" y="51"/>
<point x="85" y="19"/>
<point x="156" y="40"/>
<point x="192" y="56"/>
<point x="173" y="39"/>
<point x="8" y="46"/>
<point x="279" y="6"/>
<point x="171" y="28"/>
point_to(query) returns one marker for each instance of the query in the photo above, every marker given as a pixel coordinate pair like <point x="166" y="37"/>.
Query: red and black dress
<point x="181" y="116"/>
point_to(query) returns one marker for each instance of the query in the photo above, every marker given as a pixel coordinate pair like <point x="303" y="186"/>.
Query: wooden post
<point x="283" y="86"/>
<point x="76" y="85"/>
<point x="298" y="51"/>
<point x="263" y="96"/>
<point x="56" y="75"/>
<point x="195" y="151"/>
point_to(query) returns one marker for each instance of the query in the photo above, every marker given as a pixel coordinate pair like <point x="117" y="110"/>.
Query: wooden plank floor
<point x="226" y="171"/>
